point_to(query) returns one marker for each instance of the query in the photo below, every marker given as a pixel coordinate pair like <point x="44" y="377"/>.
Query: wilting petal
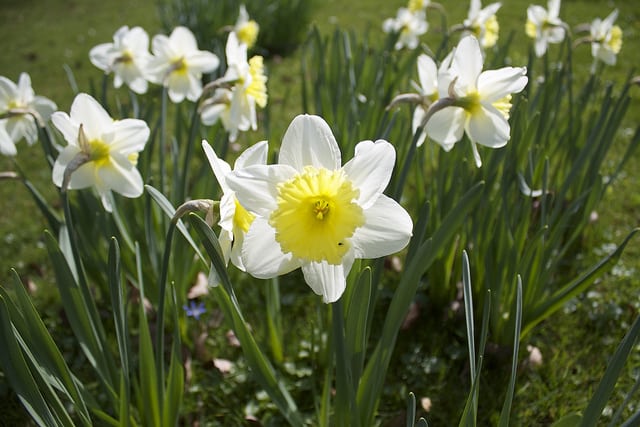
<point x="261" y="253"/>
<point x="309" y="142"/>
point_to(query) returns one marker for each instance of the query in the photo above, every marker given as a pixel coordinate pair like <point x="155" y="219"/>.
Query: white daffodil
<point x="478" y="102"/>
<point x="428" y="91"/>
<point x="246" y="29"/>
<point x="101" y="152"/>
<point x="482" y="23"/>
<point x="408" y="25"/>
<point x="234" y="219"/>
<point x="544" y="25"/>
<point x="21" y="112"/>
<point x="178" y="64"/>
<point x="311" y="212"/>
<point x="127" y="58"/>
<point x="245" y="87"/>
<point x="606" y="38"/>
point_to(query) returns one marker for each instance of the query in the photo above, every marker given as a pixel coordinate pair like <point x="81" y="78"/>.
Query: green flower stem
<point x="193" y="129"/>
<point x="163" y="139"/>
<point x="345" y="414"/>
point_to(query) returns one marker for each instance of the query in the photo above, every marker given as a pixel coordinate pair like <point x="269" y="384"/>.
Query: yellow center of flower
<point x="316" y="215"/>
<point x="416" y="5"/>
<point x="504" y="106"/>
<point x="615" y="41"/>
<point x="126" y="58"/>
<point x="248" y="33"/>
<point x="471" y="102"/>
<point x="99" y="152"/>
<point x="178" y="66"/>
<point x="531" y="29"/>
<point x="242" y="218"/>
<point x="258" y="86"/>
<point x="491" y="30"/>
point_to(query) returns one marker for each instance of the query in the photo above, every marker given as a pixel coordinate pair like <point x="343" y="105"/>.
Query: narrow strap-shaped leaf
<point x="259" y="364"/>
<point x="411" y="410"/>
<point x="607" y="383"/>
<point x="356" y="325"/>
<point x="506" y="407"/>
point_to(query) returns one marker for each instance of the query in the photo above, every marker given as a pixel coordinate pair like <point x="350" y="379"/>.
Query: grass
<point x="574" y="343"/>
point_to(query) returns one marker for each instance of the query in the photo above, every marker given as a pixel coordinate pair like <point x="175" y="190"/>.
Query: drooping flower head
<point x="21" y="112"/>
<point x="314" y="214"/>
<point x="127" y="58"/>
<point x="103" y="151"/>
<point x="482" y="23"/>
<point x="408" y="25"/>
<point x="178" y="64"/>
<point x="544" y="26"/>
<point x="246" y="29"/>
<point x="606" y="38"/>
<point x="244" y="86"/>
<point x="480" y="100"/>
<point x="234" y="219"/>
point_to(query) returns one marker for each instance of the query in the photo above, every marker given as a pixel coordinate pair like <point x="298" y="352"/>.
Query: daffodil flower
<point x="234" y="219"/>
<point x="473" y="101"/>
<point x="21" y="112"/>
<point x="606" y="38"/>
<point x="101" y="152"/>
<point x="408" y="25"/>
<point x="417" y="5"/>
<point x="428" y="91"/>
<point x="482" y="23"/>
<point x="244" y="87"/>
<point x="314" y="214"/>
<point x="178" y="64"/>
<point x="246" y="29"/>
<point x="127" y="58"/>
<point x="544" y="25"/>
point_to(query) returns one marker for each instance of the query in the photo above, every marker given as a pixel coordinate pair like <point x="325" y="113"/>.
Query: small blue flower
<point x="194" y="309"/>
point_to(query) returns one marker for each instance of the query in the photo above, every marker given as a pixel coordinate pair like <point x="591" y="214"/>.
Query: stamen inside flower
<point x="504" y="106"/>
<point x="316" y="215"/>
<point x="258" y="86"/>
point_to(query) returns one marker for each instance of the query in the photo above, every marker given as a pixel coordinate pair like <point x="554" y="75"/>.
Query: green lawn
<point x="41" y="37"/>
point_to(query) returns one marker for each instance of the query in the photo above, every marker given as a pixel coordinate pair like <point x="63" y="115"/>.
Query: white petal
<point x="446" y="127"/>
<point x="67" y="128"/>
<point x="183" y="39"/>
<point x="261" y="253"/>
<point x="554" y="8"/>
<point x="83" y="177"/>
<point x="327" y="279"/>
<point x="541" y="46"/>
<point x="130" y="136"/>
<point x="99" y="56"/>
<point x="202" y="62"/>
<point x="7" y="147"/>
<point x="427" y="74"/>
<point x="309" y="141"/>
<point x="219" y="167"/>
<point x="254" y="155"/>
<point x="256" y="186"/>
<point x="370" y="169"/>
<point x="120" y="176"/>
<point x="87" y="111"/>
<point x="496" y="84"/>
<point x="487" y="126"/>
<point x="418" y="117"/>
<point x="556" y="35"/>
<point x="387" y="230"/>
<point x="467" y="64"/>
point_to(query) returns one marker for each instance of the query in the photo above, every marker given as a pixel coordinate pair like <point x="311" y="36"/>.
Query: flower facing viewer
<point x="606" y="38"/>
<point x="544" y="25"/>
<point x="477" y="102"/>
<point x="101" y="152"/>
<point x="234" y="219"/>
<point x="21" y="112"/>
<point x="178" y="64"/>
<point x="314" y="214"/>
<point x="126" y="58"/>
